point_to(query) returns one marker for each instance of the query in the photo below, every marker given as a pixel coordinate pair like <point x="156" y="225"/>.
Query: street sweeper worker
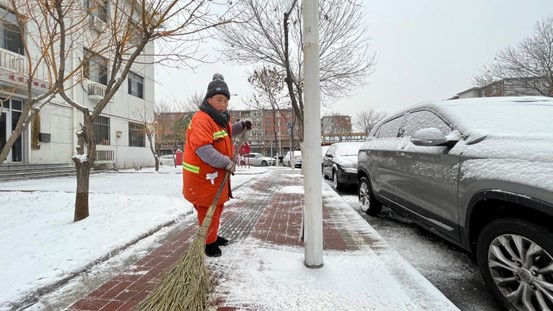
<point x="208" y="156"/>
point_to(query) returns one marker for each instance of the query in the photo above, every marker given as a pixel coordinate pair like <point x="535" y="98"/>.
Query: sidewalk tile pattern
<point x="267" y="214"/>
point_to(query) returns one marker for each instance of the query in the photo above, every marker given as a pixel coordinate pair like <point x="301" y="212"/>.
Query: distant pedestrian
<point x="208" y="155"/>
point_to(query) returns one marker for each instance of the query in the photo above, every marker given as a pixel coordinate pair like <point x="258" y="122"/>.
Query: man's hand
<point x="247" y="124"/>
<point x="231" y="167"/>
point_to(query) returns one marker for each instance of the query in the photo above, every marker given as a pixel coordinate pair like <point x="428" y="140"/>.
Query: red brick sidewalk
<point x="270" y="215"/>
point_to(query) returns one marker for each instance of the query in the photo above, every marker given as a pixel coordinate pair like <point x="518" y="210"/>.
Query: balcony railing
<point x="12" y="61"/>
<point x="15" y="77"/>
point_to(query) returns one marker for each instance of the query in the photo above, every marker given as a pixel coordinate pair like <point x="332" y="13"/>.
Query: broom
<point x="186" y="286"/>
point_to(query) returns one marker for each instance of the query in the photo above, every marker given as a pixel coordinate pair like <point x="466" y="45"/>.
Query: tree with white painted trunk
<point x="117" y="34"/>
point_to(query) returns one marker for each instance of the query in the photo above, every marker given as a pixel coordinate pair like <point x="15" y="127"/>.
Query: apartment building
<point x="509" y="87"/>
<point x="273" y="131"/>
<point x="119" y="130"/>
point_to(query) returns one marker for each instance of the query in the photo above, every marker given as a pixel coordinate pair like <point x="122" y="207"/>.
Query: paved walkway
<point x="271" y="214"/>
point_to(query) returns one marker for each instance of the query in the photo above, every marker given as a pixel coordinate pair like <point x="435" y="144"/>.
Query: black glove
<point x="247" y="125"/>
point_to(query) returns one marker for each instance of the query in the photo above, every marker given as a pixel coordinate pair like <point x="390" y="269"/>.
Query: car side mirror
<point x="429" y="137"/>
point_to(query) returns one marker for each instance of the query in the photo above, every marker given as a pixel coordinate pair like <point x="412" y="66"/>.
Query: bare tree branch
<point x="273" y="35"/>
<point x="366" y="120"/>
<point x="65" y="43"/>
<point x="528" y="66"/>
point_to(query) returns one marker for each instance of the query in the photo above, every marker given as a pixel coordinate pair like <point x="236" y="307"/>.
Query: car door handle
<point x="401" y="153"/>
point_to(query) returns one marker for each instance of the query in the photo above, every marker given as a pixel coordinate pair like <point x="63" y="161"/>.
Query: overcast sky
<point x="425" y="50"/>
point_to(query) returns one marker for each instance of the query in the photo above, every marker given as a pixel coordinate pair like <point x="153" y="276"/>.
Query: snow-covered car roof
<point x="495" y="115"/>
<point x="506" y="116"/>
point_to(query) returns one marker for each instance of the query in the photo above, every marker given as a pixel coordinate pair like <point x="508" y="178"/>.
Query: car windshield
<point x="507" y="118"/>
<point x="348" y="149"/>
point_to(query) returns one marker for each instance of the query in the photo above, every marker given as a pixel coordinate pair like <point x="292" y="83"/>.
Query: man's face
<point x="219" y="102"/>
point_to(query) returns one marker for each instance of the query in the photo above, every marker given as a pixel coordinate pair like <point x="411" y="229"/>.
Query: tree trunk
<point x="83" y="165"/>
<point x="153" y="150"/>
<point x="298" y="111"/>
<point x="81" y="199"/>
<point x="276" y="133"/>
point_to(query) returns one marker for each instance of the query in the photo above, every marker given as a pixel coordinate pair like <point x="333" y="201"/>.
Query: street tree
<point x="268" y="82"/>
<point x="57" y="32"/>
<point x="337" y="126"/>
<point x="192" y="103"/>
<point x="172" y="117"/>
<point x="528" y="66"/>
<point x="156" y="130"/>
<point x="365" y="121"/>
<point x="147" y="128"/>
<point x="185" y="112"/>
<point x="271" y="33"/>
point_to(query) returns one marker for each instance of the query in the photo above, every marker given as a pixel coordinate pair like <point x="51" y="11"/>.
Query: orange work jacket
<point x="200" y="180"/>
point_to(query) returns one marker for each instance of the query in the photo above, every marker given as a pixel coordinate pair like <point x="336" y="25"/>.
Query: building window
<point x="101" y="130"/>
<point x="98" y="8"/>
<point x="10" y="34"/>
<point x="136" y="135"/>
<point x="136" y="85"/>
<point x="95" y="67"/>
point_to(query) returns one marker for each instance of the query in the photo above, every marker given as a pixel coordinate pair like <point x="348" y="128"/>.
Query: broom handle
<point x="211" y="210"/>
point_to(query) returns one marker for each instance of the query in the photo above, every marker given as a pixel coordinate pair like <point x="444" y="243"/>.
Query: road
<point x="451" y="269"/>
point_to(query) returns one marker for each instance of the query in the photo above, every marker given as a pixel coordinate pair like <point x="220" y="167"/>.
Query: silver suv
<point x="479" y="173"/>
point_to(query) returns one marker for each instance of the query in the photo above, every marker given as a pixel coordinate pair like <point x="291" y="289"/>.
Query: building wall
<point x="262" y="136"/>
<point x="61" y="121"/>
<point x="505" y="87"/>
<point x="470" y="93"/>
<point x="57" y="121"/>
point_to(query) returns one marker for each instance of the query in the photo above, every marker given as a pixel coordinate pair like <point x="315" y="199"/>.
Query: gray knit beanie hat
<point x="217" y="86"/>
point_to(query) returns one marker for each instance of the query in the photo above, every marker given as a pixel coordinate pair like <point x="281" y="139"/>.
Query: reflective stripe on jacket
<point x="200" y="180"/>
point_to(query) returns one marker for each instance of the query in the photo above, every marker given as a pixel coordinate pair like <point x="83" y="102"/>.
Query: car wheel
<point x="367" y="201"/>
<point x="515" y="259"/>
<point x="264" y="163"/>
<point x="335" y="183"/>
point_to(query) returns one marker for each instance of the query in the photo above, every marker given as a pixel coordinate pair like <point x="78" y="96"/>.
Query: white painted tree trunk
<point x="311" y="153"/>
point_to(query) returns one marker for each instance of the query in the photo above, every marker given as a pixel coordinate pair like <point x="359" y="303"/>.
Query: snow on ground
<point x="277" y="279"/>
<point x="41" y="244"/>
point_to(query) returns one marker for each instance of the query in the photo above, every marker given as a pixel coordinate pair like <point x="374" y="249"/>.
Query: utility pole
<point x="313" y="213"/>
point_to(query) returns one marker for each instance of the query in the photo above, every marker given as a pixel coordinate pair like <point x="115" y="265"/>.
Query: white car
<point x="256" y="159"/>
<point x="297" y="159"/>
<point x="323" y="152"/>
<point x="167" y="159"/>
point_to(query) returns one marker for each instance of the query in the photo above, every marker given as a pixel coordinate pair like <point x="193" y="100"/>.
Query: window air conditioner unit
<point x="96" y="92"/>
<point x="97" y="23"/>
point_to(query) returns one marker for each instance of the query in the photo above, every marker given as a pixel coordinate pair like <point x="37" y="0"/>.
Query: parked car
<point x="257" y="159"/>
<point x="479" y="173"/>
<point x="340" y="163"/>
<point x="323" y="152"/>
<point x="297" y="159"/>
<point x="167" y="159"/>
